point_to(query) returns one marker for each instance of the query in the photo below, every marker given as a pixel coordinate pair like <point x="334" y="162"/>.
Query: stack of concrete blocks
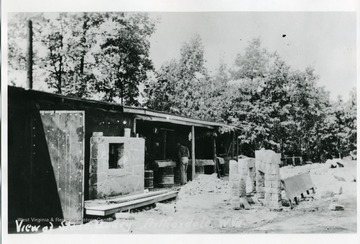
<point x="268" y="177"/>
<point x="246" y="170"/>
<point x="252" y="175"/>
<point x="260" y="178"/>
<point x="234" y="182"/>
<point x="105" y="181"/>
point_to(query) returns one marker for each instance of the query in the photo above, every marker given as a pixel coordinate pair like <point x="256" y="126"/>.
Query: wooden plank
<point x="105" y="210"/>
<point x="64" y="132"/>
<point x="165" y="163"/>
<point x="75" y="128"/>
<point x="124" y="199"/>
<point x="203" y="162"/>
<point x="124" y="204"/>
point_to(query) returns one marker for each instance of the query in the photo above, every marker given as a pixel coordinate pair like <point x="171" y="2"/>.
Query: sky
<point x="323" y="40"/>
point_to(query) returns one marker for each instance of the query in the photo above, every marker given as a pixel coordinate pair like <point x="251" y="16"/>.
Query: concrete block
<point x="244" y="203"/>
<point x="260" y="195"/>
<point x="233" y="167"/>
<point x="272" y="177"/>
<point x="275" y="184"/>
<point x="235" y="203"/>
<point x="275" y="197"/>
<point x="242" y="188"/>
<point x="336" y="207"/>
<point x="273" y="205"/>
<point x="273" y="190"/>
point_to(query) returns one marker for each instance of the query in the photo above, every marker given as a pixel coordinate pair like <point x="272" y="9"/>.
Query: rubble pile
<point x="328" y="179"/>
<point x="323" y="169"/>
<point x="203" y="184"/>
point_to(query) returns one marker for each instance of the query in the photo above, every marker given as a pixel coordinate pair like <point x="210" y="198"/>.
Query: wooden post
<point x="164" y="146"/>
<point x="233" y="145"/>
<point x="193" y="152"/>
<point x="216" y="168"/>
<point x="237" y="145"/>
<point x="29" y="81"/>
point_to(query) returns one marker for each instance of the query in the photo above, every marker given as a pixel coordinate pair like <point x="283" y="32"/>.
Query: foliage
<point x="98" y="55"/>
<point x="123" y="57"/>
<point x="106" y="56"/>
<point x="271" y="105"/>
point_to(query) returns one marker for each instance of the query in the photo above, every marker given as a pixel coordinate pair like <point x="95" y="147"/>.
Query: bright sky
<point x="324" y="40"/>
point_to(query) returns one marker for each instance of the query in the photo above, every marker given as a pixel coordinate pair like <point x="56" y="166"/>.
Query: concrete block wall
<point x="234" y="182"/>
<point x="268" y="177"/>
<point x="264" y="171"/>
<point x="105" y="181"/>
<point x="246" y="166"/>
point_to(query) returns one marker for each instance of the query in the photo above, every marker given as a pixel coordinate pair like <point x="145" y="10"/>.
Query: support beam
<point x="29" y="81"/>
<point x="192" y="152"/>
<point x="164" y="145"/>
<point x="134" y="127"/>
<point x="233" y="145"/>
<point x="237" y="145"/>
<point x="216" y="168"/>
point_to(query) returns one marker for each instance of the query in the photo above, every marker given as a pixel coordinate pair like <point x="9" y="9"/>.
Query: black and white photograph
<point x="123" y="121"/>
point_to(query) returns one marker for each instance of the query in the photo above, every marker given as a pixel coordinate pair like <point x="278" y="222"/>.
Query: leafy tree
<point x="351" y="124"/>
<point x="84" y="35"/>
<point x="17" y="46"/>
<point x="56" y="61"/>
<point x="123" y="58"/>
<point x="252" y="107"/>
<point x="160" y="89"/>
<point x="254" y="63"/>
<point x="181" y="82"/>
<point x="98" y="55"/>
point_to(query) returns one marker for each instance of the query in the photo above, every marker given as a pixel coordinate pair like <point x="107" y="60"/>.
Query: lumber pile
<point x="121" y="204"/>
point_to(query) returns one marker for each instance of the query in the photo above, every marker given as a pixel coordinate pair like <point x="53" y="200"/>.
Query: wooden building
<point x="49" y="149"/>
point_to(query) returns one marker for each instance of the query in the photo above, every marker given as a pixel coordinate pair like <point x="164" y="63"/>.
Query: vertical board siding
<point x="64" y="132"/>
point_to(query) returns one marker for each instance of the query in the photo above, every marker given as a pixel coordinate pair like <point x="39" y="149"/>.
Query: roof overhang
<point x="149" y="115"/>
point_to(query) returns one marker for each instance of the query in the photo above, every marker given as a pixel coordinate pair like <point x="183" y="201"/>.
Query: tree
<point x="160" y="89"/>
<point x="177" y="85"/>
<point x="215" y="95"/>
<point x="275" y="107"/>
<point x="98" y="55"/>
<point x="123" y="58"/>
<point x="17" y="47"/>
<point x="84" y="34"/>
<point x="252" y="107"/>
<point x="351" y="123"/>
<point x="56" y="62"/>
<point x="69" y="39"/>
<point x="337" y="132"/>
<point x="254" y="63"/>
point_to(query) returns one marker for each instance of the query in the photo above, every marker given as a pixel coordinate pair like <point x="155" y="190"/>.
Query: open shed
<point x="49" y="150"/>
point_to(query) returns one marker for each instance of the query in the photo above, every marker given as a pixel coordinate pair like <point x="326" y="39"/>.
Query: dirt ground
<point x="203" y="207"/>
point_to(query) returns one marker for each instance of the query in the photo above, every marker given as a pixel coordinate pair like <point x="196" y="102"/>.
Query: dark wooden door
<point x="64" y="132"/>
